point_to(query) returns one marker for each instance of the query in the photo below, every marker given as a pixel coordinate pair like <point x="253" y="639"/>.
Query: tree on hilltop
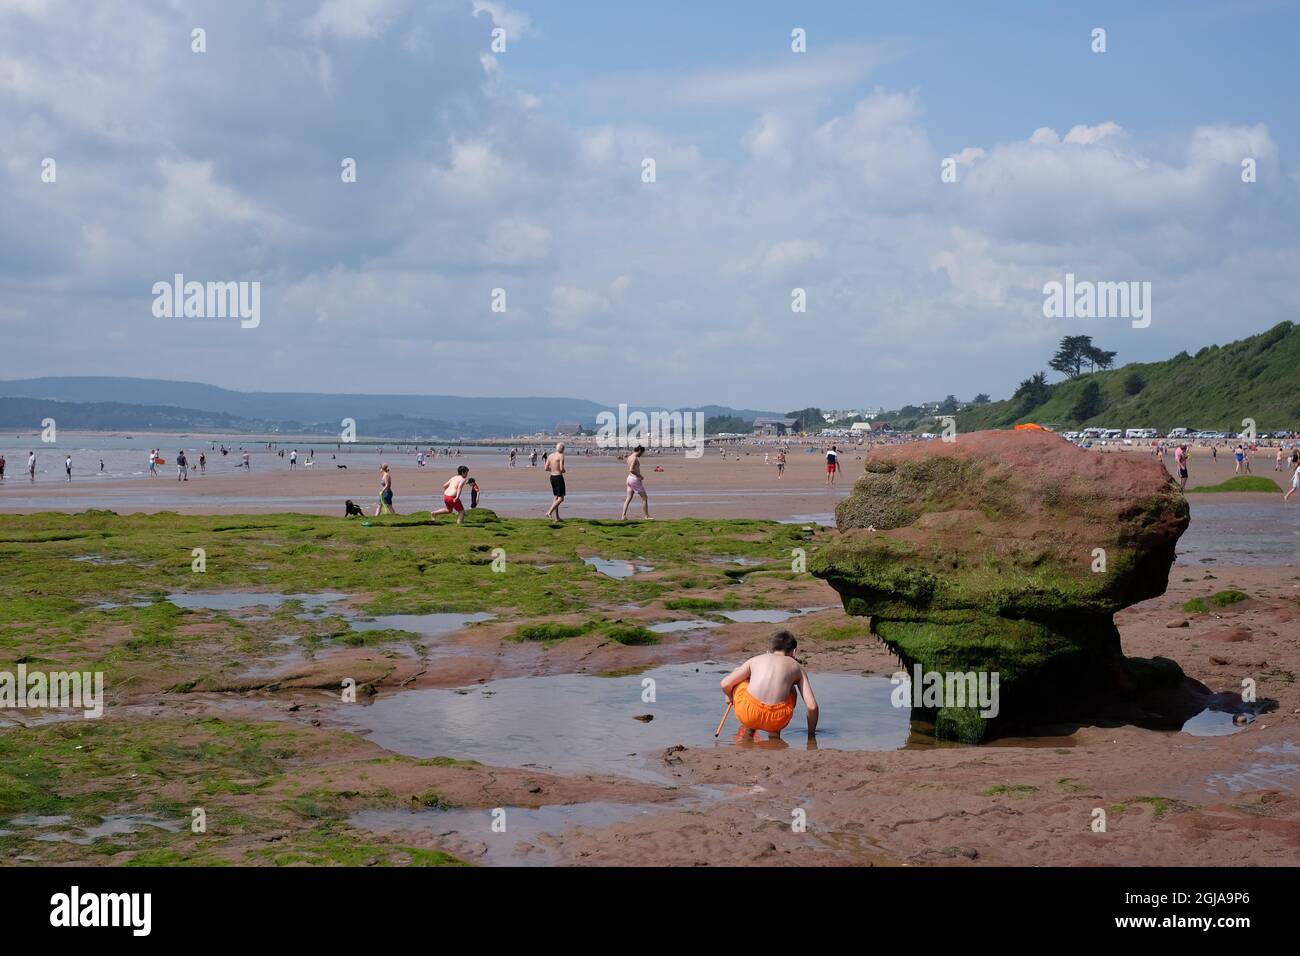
<point x="1075" y="352"/>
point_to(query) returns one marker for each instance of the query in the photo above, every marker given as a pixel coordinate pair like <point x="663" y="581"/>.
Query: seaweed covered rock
<point x="1009" y="552"/>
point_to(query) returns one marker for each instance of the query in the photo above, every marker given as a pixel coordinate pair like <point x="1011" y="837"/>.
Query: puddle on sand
<point x="1261" y="776"/>
<point x="234" y="600"/>
<point x="825" y="518"/>
<point x="427" y="625"/>
<point x="617" y="569"/>
<point x="1214" y="723"/>
<point x="417" y="625"/>
<point x="115" y="825"/>
<point x="769" y="616"/>
<point x="1241" y="532"/>
<point x="579" y="723"/>
<point x="35" y="820"/>
<point x="521" y="844"/>
<point x="675" y="627"/>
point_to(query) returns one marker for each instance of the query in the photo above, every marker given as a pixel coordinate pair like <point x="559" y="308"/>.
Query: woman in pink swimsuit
<point x="635" y="483"/>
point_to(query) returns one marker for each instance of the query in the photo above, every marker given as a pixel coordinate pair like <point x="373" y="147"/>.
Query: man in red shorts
<point x="451" y="496"/>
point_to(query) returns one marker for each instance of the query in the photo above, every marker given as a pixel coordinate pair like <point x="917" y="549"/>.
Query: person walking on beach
<point x="101" y="466"/>
<point x="385" y="505"/>
<point x="635" y="482"/>
<point x="1240" y="455"/>
<point x="31" y="465"/>
<point x="245" y="463"/>
<point x="2" y="467"/>
<point x="780" y="463"/>
<point x="1295" y="480"/>
<point x="762" y="690"/>
<point x="153" y="463"/>
<point x="832" y="465"/>
<point x="203" y="463"/>
<point x="182" y="466"/>
<point x="1277" y="465"/>
<point x="67" y="466"/>
<point x="1180" y="458"/>
<point x="555" y="468"/>
<point x="293" y="459"/>
<point x="451" y="490"/>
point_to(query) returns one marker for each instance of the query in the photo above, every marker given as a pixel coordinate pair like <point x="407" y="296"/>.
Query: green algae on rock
<point x="1007" y="552"/>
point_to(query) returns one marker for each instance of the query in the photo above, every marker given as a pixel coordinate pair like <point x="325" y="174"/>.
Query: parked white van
<point x="1140" y="433"/>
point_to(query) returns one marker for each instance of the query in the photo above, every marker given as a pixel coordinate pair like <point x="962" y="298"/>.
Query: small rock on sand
<point x="1229" y="635"/>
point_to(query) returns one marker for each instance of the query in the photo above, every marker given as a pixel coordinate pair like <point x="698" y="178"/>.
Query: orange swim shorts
<point x="757" y="715"/>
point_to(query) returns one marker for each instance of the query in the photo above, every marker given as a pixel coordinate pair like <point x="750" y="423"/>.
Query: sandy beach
<point x="735" y="482"/>
<point x="548" y="725"/>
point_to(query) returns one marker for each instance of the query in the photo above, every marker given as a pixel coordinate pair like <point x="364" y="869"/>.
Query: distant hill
<point x="106" y="402"/>
<point x="1256" y="377"/>
<point x="26" y="415"/>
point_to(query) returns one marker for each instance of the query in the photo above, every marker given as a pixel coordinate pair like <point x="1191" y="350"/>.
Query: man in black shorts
<point x="555" y="468"/>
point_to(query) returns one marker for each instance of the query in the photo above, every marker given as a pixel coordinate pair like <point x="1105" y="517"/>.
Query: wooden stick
<point x="725" y="714"/>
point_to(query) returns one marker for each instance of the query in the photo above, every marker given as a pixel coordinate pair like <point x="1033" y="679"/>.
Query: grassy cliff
<point x="1256" y="377"/>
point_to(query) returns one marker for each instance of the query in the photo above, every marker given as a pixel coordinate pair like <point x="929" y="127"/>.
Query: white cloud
<point x="785" y="259"/>
<point x="570" y="305"/>
<point x="515" y="23"/>
<point x="466" y="184"/>
<point x="1087" y="135"/>
<point x="784" y="78"/>
<point x="767" y="137"/>
<point x="354" y="19"/>
<point x="515" y="240"/>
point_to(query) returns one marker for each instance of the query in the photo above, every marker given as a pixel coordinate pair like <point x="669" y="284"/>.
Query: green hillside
<point x="1256" y="377"/>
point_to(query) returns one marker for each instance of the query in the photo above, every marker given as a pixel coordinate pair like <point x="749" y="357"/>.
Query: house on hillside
<point x="568" y="428"/>
<point x="775" y="426"/>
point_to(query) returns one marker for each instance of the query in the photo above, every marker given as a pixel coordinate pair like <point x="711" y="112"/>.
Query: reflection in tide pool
<point x="576" y="723"/>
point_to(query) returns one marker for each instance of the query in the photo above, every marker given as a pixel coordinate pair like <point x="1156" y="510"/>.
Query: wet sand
<point x="737" y="485"/>
<point x="673" y="796"/>
<point x="712" y="486"/>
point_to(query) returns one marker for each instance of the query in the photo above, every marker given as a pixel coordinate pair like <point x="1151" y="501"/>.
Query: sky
<point x="516" y="177"/>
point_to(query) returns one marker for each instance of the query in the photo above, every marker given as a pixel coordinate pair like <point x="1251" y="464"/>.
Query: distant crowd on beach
<point x="774" y="449"/>
<point x="554" y="466"/>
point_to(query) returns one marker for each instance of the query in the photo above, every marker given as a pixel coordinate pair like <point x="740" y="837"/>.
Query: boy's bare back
<point x="773" y="676"/>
